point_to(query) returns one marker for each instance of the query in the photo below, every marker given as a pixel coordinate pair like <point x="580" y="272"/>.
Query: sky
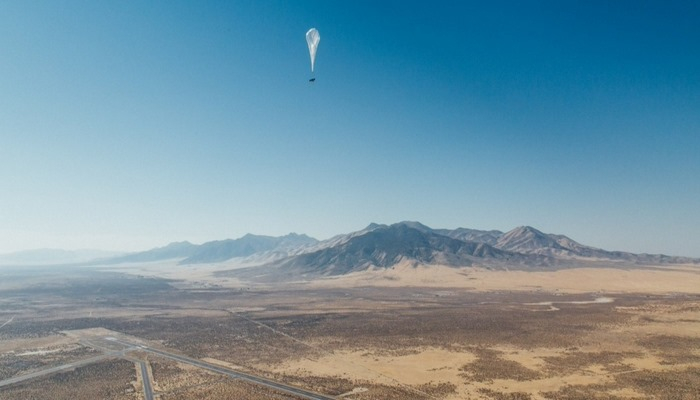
<point x="126" y="125"/>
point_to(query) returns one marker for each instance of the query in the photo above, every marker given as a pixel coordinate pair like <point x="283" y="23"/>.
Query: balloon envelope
<point x="312" y="39"/>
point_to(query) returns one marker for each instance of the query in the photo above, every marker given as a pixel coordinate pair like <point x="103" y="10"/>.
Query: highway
<point x="147" y="389"/>
<point x="8" y="321"/>
<point x="232" y="373"/>
<point x="53" y="370"/>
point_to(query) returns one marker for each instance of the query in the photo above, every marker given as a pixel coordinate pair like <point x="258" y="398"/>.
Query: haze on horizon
<point x="129" y="125"/>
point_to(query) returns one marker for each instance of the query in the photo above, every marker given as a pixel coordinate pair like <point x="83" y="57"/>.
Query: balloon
<point x="312" y="39"/>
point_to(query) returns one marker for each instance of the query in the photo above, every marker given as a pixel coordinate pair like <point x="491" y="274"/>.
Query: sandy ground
<point x="35" y="344"/>
<point x="431" y="365"/>
<point x="651" y="280"/>
<point x="435" y="365"/>
<point x="658" y="280"/>
<point x="424" y="366"/>
<point x="190" y="276"/>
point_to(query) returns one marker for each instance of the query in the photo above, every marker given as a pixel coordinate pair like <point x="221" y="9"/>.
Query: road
<point x="232" y="373"/>
<point x="8" y="321"/>
<point x="53" y="370"/>
<point x="147" y="389"/>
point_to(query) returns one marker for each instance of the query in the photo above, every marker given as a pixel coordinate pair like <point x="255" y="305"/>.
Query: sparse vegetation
<point x="227" y="389"/>
<point x="491" y="366"/>
<point x="674" y="349"/>
<point x="492" y="394"/>
<point x="584" y="392"/>
<point x="260" y="331"/>
<point x="574" y="361"/>
<point x="681" y="384"/>
<point x="12" y="364"/>
<point x="105" y="380"/>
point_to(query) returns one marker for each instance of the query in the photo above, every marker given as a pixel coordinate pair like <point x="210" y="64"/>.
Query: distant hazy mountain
<point x="222" y="250"/>
<point x="248" y="245"/>
<point x="377" y="246"/>
<point x="53" y="256"/>
<point x="174" y="250"/>
<point x="528" y="240"/>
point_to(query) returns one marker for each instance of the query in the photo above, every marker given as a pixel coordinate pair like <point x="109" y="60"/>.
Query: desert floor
<point x="404" y="333"/>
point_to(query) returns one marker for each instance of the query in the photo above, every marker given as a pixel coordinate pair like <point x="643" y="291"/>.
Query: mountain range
<point x="54" y="256"/>
<point x="384" y="246"/>
<point x="222" y="250"/>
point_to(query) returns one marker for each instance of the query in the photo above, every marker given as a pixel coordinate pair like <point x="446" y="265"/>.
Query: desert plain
<point x="407" y="332"/>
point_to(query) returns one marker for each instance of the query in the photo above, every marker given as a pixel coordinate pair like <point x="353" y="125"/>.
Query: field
<point x="346" y="340"/>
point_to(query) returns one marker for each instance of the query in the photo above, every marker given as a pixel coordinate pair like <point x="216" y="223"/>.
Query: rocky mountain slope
<point x="384" y="246"/>
<point x="222" y="250"/>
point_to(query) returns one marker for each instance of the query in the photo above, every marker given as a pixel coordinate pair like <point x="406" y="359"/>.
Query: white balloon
<point x="312" y="39"/>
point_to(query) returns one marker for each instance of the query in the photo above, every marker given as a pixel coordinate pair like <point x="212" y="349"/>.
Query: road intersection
<point x="121" y="346"/>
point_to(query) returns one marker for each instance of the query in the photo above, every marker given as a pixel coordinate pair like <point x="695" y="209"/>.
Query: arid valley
<point x="409" y="332"/>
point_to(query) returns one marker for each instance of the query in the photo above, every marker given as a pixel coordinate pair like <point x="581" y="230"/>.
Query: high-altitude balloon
<point x="312" y="39"/>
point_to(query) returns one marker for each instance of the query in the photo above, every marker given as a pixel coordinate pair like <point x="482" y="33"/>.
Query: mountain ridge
<point x="50" y="256"/>
<point x="383" y="246"/>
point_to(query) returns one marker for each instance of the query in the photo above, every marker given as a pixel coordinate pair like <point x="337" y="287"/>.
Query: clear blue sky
<point x="126" y="125"/>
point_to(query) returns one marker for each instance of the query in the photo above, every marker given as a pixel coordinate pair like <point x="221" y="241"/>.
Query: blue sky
<point x="126" y="125"/>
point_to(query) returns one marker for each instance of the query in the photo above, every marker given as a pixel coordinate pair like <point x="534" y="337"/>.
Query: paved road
<point x="147" y="389"/>
<point x="53" y="370"/>
<point x="8" y="321"/>
<point x="234" y="374"/>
